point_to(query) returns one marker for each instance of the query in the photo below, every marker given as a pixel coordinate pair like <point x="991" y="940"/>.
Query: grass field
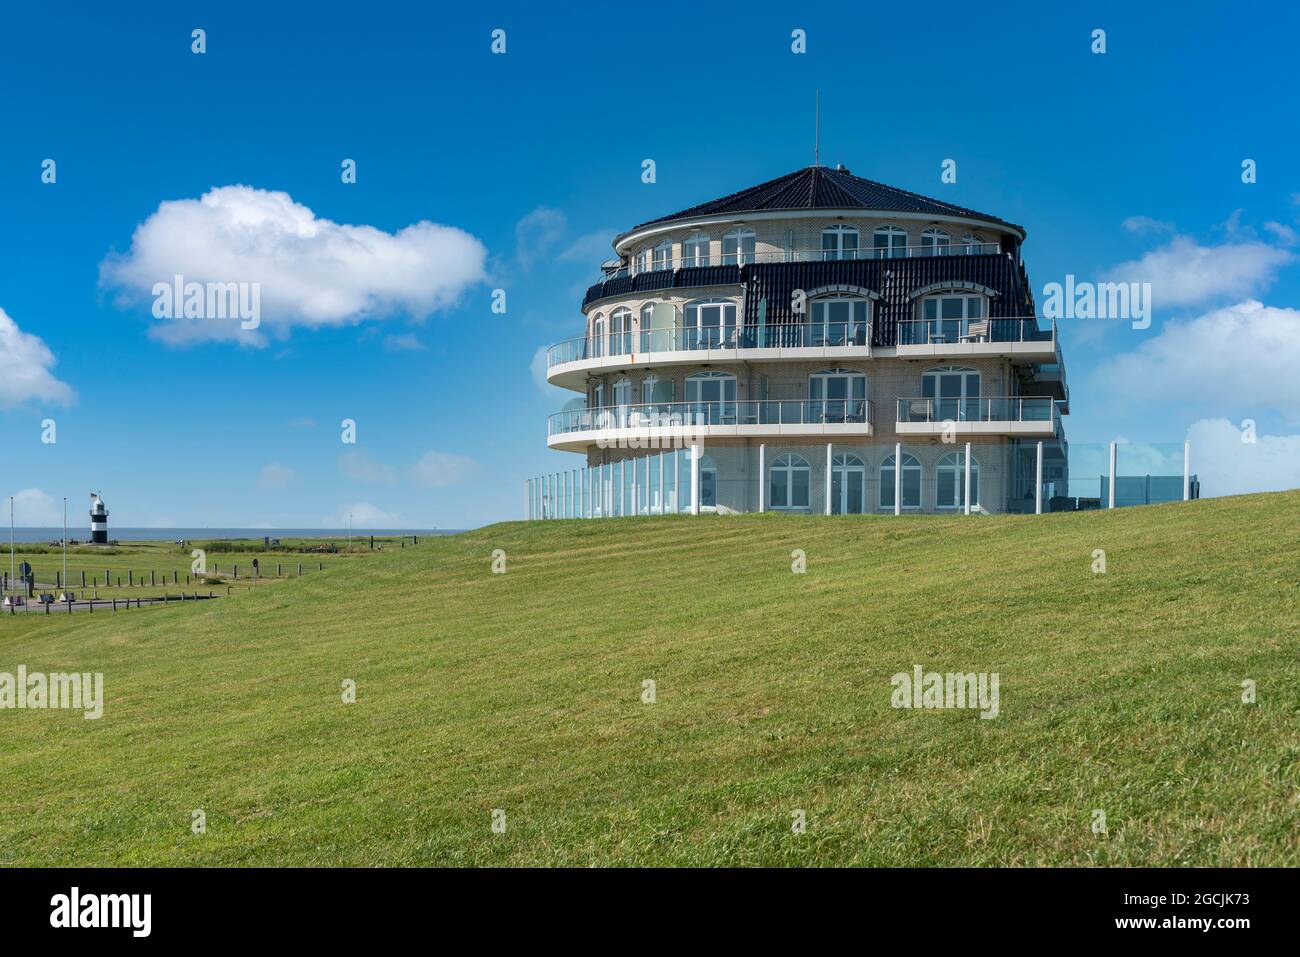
<point x="1120" y="692"/>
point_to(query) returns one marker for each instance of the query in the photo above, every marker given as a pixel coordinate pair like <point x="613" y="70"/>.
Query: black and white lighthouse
<point x="98" y="520"/>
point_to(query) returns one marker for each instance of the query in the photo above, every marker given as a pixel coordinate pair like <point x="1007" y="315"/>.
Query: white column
<point x="621" y="489"/>
<point x="966" y="496"/>
<point x="636" y="487"/>
<point x="829" y="446"/>
<point x="1187" y="471"/>
<point x="677" y="481"/>
<point x="1038" y="482"/>
<point x="1111" y="498"/>
<point x="663" y="502"/>
<point x="528" y="501"/>
<point x="898" y="478"/>
<point x="695" y="478"/>
<point x="762" y="477"/>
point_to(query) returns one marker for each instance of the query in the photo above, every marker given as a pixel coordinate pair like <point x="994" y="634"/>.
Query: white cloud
<point x="34" y="507"/>
<point x="313" y="272"/>
<point x="1226" y="465"/>
<point x="1145" y="224"/>
<point x="403" y="343"/>
<point x="364" y="515"/>
<point x="593" y="248"/>
<point x="537" y="234"/>
<point x="360" y="467"/>
<point x="1183" y="272"/>
<point x="538" y="369"/>
<point x="437" y="469"/>
<point x="276" y="475"/>
<point x="1240" y="357"/>
<point x="25" y="362"/>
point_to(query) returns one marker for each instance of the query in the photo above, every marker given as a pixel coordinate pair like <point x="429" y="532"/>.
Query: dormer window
<point x="738" y="247"/>
<point x="973" y="245"/>
<point x="695" y="250"/>
<point x="663" y="255"/>
<point x="890" y="242"/>
<point x="948" y="315"/>
<point x="935" y="242"/>
<point x="839" y="242"/>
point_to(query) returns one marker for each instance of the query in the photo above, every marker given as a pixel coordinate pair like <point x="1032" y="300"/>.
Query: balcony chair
<point x="976" y="332"/>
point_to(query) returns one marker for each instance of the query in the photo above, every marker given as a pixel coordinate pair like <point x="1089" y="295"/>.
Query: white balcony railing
<point x="659" y="415"/>
<point x="1014" y="408"/>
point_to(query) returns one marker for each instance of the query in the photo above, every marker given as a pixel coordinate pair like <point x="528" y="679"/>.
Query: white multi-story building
<point x="816" y="343"/>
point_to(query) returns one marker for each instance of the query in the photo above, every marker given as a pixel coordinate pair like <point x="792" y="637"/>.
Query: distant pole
<point x="695" y="478"/>
<point x="829" y="446"/>
<point x="1111" y="498"/>
<point x="65" y="541"/>
<point x="966" y="494"/>
<point x="11" y="539"/>
<point x="1038" y="483"/>
<point x="1187" y="471"/>
<point x="898" y="478"/>
<point x="762" y="477"/>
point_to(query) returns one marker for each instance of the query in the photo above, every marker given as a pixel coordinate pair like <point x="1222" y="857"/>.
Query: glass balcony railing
<point x="652" y="415"/>
<point x="807" y="335"/>
<point x="921" y="332"/>
<point x="803" y="256"/>
<point x="1013" y="408"/>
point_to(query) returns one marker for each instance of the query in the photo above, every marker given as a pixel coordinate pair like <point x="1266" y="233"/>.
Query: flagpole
<point x="65" y="543"/>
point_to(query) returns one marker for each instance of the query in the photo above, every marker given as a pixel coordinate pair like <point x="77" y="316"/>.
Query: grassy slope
<point x="521" y="691"/>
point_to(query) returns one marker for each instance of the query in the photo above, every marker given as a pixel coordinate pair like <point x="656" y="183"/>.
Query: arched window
<point x="955" y="391"/>
<point x="948" y="315"/>
<point x="848" y="485"/>
<point x="712" y="398"/>
<point x="663" y="255"/>
<point x="972" y="244"/>
<point x="950" y="481"/>
<point x="738" y="246"/>
<point x="839" y="242"/>
<point x="837" y="395"/>
<point x="643" y="259"/>
<point x="789" y="482"/>
<point x="598" y="333"/>
<point x="839" y="320"/>
<point x="598" y="395"/>
<point x="708" y="481"/>
<point x="695" y="250"/>
<point x="710" y="323"/>
<point x="623" y="391"/>
<point x="620" y="332"/>
<point x="911" y="482"/>
<point x="935" y="242"/>
<point x="655" y="391"/>
<point x="890" y="242"/>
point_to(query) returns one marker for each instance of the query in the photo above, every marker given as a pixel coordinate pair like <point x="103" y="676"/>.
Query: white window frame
<point x="663" y="256"/>
<point x="842" y="465"/>
<point x="623" y="391"/>
<point x="936" y="242"/>
<point x="972" y="244"/>
<point x="910" y="464"/>
<point x="849" y="413"/>
<point x="789" y="463"/>
<point x="890" y="249"/>
<point x="955" y="462"/>
<point x="693" y="318"/>
<point x="691" y="246"/>
<point x="822" y="304"/>
<point x="962" y="322"/>
<point x="620" y="331"/>
<point x="648" y="385"/>
<point x="643" y="259"/>
<point x="956" y="408"/>
<point x="599" y="334"/>
<point x="738" y="239"/>
<point x="840" y="249"/>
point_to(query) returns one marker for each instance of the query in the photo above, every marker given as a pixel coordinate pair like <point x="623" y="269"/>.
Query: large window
<point x="695" y="250"/>
<point x="950" y="477"/>
<point x="839" y="242"/>
<point x="643" y="259"/>
<point x="848" y="485"/>
<point x="837" y="395"/>
<point x="712" y="398"/>
<point x="972" y="244"/>
<point x="890" y="242"/>
<point x="839" y="320"/>
<point x="738" y="247"/>
<point x="710" y="323"/>
<point x="655" y="390"/>
<point x="955" y="391"/>
<point x="948" y="315"/>
<point x="911" y="482"/>
<point x="623" y="391"/>
<point x="935" y="242"/>
<point x="620" y="332"/>
<point x="789" y="481"/>
<point x="598" y="332"/>
<point x="663" y="255"/>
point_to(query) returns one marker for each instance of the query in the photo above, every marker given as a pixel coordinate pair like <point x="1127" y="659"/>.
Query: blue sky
<point x="1125" y="165"/>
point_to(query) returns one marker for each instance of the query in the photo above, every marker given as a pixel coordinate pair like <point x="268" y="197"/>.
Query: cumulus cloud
<point x="1242" y="356"/>
<point x="364" y="515"/>
<point x="437" y="469"/>
<point x="312" y="272"/>
<point x="275" y="475"/>
<point x="1183" y="272"/>
<point x="360" y="467"/>
<point x="1227" y="465"/>
<point x="25" y="363"/>
<point x="33" y="507"/>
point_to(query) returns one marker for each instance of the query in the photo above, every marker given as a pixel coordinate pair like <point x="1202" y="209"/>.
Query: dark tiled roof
<point x="894" y="279"/>
<point x="820" y="187"/>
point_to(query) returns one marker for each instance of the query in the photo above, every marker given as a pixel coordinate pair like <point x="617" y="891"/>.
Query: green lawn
<point x="1120" y="692"/>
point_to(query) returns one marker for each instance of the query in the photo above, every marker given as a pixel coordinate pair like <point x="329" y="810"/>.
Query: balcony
<point x="568" y="363"/>
<point x="1018" y="338"/>
<point x="669" y="424"/>
<point x="1001" y="415"/>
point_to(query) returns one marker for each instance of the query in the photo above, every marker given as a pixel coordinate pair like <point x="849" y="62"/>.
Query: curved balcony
<point x="1014" y="415"/>
<point x="657" y="425"/>
<point x="1018" y="338"/>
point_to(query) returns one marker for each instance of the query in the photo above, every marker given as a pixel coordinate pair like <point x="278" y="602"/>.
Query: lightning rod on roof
<point x="817" y="128"/>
